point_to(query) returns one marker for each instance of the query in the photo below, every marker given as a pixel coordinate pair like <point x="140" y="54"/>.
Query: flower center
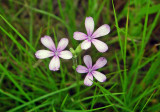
<point x="89" y="38"/>
<point x="89" y="70"/>
<point x="56" y="53"/>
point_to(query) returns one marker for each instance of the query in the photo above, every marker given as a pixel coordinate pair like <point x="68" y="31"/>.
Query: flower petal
<point x="99" y="76"/>
<point x="65" y="54"/>
<point x="41" y="54"/>
<point x="88" y="61"/>
<point x="88" y="81"/>
<point x="100" y="63"/>
<point x="101" y="46"/>
<point x="101" y="31"/>
<point x="48" y="42"/>
<point x="89" y="24"/>
<point x="81" y="69"/>
<point x="86" y="44"/>
<point x="54" y="63"/>
<point x="62" y="44"/>
<point x="79" y="36"/>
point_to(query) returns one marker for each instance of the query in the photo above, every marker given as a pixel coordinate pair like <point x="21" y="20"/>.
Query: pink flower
<point x="91" y="70"/>
<point x="56" y="53"/>
<point x="91" y="37"/>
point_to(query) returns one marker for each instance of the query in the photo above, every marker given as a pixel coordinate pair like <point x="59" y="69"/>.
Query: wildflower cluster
<point x="90" y="37"/>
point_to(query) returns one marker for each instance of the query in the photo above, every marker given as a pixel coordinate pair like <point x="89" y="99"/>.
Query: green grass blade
<point x="11" y="96"/>
<point x="117" y="26"/>
<point x="147" y="101"/>
<point x="18" y="33"/>
<point x="14" y="81"/>
<point x="42" y="97"/>
<point x="88" y="110"/>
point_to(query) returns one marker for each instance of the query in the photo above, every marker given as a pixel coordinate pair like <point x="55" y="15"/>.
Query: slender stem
<point x="76" y="53"/>
<point x="75" y="62"/>
<point x="77" y="75"/>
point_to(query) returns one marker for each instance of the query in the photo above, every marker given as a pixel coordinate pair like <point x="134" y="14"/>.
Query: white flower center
<point x="89" y="38"/>
<point x="56" y="53"/>
<point x="90" y="70"/>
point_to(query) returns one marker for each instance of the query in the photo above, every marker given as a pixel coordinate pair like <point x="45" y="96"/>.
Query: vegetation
<point x="133" y="58"/>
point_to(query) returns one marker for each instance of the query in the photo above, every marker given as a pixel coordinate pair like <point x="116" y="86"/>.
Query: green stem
<point x="77" y="75"/>
<point x="75" y="53"/>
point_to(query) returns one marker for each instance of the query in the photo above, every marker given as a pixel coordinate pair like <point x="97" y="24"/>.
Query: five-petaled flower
<point x="55" y="52"/>
<point x="91" y="70"/>
<point x="91" y="37"/>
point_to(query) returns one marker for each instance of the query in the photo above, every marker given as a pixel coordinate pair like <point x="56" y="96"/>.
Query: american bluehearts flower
<point x="91" y="70"/>
<point x="91" y="37"/>
<point x="56" y="53"/>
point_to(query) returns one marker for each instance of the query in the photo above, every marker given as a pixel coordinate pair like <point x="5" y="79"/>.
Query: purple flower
<point x="91" y="37"/>
<point x="91" y="70"/>
<point x="56" y="53"/>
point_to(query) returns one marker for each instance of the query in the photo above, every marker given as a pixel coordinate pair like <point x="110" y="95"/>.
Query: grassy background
<point x="133" y="69"/>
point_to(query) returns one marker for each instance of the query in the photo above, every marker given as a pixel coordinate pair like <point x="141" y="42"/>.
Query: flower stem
<point x="77" y="75"/>
<point x="75" y="53"/>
